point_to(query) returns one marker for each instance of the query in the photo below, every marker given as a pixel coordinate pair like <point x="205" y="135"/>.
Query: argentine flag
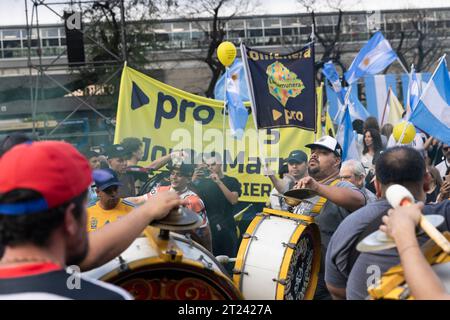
<point x="237" y="72"/>
<point x="356" y="108"/>
<point x="236" y="110"/>
<point x="347" y="137"/>
<point x="373" y="58"/>
<point x="329" y="71"/>
<point x="408" y="86"/>
<point x="432" y="113"/>
<point x="377" y="89"/>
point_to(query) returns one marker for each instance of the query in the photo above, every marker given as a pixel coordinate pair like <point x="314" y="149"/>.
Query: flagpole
<point x="224" y="116"/>
<point x="347" y="97"/>
<point x="385" y="105"/>
<point x="408" y="95"/>
<point x="403" y="66"/>
<point x="423" y="93"/>
<point x="252" y="96"/>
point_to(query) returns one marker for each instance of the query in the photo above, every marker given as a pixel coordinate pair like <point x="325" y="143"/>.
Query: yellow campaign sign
<point x="166" y="118"/>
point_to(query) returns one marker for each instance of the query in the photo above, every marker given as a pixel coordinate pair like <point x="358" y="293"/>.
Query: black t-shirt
<point x="46" y="281"/>
<point x="218" y="209"/>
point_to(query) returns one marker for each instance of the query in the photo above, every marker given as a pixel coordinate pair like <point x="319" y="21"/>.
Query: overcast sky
<point x="12" y="12"/>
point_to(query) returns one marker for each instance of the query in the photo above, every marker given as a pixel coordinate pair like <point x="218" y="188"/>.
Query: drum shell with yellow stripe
<point x="279" y="257"/>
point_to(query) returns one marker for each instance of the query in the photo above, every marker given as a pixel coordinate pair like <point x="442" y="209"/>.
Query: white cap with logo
<point x="328" y="143"/>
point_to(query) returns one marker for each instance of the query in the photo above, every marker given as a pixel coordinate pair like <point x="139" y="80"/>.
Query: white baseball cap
<point x="328" y="143"/>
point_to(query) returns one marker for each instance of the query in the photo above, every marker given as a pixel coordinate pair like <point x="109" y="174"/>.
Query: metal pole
<point x="124" y="43"/>
<point x="30" y="69"/>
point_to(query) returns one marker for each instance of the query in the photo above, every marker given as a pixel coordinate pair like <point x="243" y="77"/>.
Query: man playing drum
<point x="336" y="199"/>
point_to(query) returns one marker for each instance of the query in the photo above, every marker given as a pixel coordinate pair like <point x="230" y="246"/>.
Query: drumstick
<point x="399" y="196"/>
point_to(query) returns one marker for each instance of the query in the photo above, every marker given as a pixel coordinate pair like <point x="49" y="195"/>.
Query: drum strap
<point x="321" y="202"/>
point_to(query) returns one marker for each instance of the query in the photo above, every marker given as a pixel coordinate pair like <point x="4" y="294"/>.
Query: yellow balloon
<point x="410" y="132"/>
<point x="226" y="52"/>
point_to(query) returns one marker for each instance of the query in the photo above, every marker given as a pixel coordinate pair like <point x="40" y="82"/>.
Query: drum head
<point x="304" y="266"/>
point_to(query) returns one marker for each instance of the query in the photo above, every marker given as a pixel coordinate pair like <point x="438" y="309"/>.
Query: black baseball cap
<point x="297" y="156"/>
<point x="116" y="151"/>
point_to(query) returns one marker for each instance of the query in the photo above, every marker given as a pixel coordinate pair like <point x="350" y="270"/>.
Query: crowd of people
<point x="61" y="207"/>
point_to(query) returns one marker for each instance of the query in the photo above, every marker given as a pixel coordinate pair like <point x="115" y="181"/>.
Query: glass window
<point x="236" y="33"/>
<point x="49" y="33"/>
<point x="272" y="32"/>
<point x="256" y="32"/>
<point x="50" y="42"/>
<point x="235" y="24"/>
<point x="11" y="34"/>
<point x="271" y="23"/>
<point x="254" y="23"/>
<point x="181" y="27"/>
<point x="11" y="44"/>
<point x="181" y="36"/>
<point x="290" y="31"/>
<point x="289" y="22"/>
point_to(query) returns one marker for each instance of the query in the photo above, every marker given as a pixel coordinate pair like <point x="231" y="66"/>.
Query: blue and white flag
<point x="237" y="113"/>
<point x="432" y="113"/>
<point x="413" y="88"/>
<point x="331" y="74"/>
<point x="356" y="108"/>
<point x="377" y="88"/>
<point x="347" y="138"/>
<point x="373" y="58"/>
<point x="237" y="72"/>
<point x="336" y="102"/>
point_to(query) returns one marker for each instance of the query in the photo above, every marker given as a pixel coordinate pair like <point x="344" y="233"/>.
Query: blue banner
<point x="282" y="88"/>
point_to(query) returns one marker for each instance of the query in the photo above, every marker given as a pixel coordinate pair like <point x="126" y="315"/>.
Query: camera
<point x="204" y="171"/>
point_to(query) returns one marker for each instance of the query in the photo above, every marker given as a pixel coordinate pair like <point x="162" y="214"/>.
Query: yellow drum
<point x="172" y="268"/>
<point x="392" y="285"/>
<point x="279" y="257"/>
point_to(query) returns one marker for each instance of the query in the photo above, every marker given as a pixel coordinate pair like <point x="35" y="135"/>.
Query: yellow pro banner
<point x="168" y="119"/>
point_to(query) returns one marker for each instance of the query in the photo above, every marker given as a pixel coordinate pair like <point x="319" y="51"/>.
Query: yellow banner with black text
<point x="167" y="119"/>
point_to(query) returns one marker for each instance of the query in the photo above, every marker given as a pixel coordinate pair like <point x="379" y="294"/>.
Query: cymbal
<point x="301" y="194"/>
<point x="378" y="240"/>
<point x="179" y="219"/>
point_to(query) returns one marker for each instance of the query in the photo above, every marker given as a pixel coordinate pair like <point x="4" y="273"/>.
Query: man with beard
<point x="335" y="199"/>
<point x="43" y="195"/>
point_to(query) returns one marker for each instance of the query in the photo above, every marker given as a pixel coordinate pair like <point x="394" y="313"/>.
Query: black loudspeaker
<point x="74" y="38"/>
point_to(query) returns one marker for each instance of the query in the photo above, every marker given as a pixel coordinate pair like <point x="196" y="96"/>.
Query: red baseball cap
<point x="55" y="169"/>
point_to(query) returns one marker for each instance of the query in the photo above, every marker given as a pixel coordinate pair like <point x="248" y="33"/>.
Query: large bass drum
<point x="279" y="257"/>
<point x="393" y="286"/>
<point x="177" y="268"/>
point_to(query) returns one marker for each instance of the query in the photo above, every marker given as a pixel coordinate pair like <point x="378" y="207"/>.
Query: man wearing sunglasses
<point x="109" y="206"/>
